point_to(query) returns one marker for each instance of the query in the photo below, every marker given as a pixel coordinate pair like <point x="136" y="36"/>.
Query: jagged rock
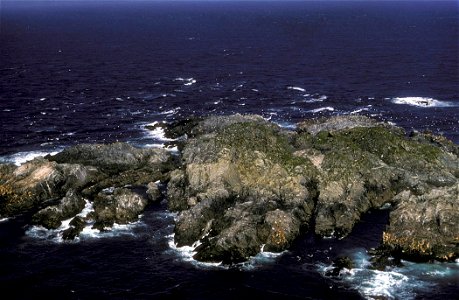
<point x="425" y="227"/>
<point x="339" y="264"/>
<point x="365" y="167"/>
<point x="34" y="183"/>
<point x="122" y="206"/>
<point x="153" y="192"/>
<point x="85" y="170"/>
<point x="240" y="190"/>
<point x="246" y="184"/>
<point x="76" y="226"/>
<point x="51" y="217"/>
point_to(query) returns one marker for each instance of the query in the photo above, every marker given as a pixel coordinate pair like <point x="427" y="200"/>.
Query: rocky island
<point x="242" y="185"/>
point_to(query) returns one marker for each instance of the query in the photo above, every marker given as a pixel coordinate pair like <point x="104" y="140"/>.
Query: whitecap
<point x="172" y="149"/>
<point x="317" y="99"/>
<point x="421" y="102"/>
<point x="187" y="81"/>
<point x="296" y="88"/>
<point x="327" y="108"/>
<point x="3" y="220"/>
<point x="22" y="157"/>
<point x="191" y="81"/>
<point x="171" y="111"/>
<point x="359" y="110"/>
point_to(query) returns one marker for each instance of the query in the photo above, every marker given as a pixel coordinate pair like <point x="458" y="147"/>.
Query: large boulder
<point x="119" y="206"/>
<point x="36" y="182"/>
<point x="51" y="217"/>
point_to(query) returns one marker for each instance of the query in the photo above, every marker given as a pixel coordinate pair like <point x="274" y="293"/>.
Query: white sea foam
<point x="395" y="283"/>
<point x="158" y="133"/>
<point x="421" y="102"/>
<point x="3" y="220"/>
<point x="327" y="108"/>
<point x="315" y="99"/>
<point x="55" y="235"/>
<point x="262" y="258"/>
<point x="286" y="125"/>
<point x="187" y="81"/>
<point x="186" y="253"/>
<point x="171" y="111"/>
<point x="296" y="88"/>
<point x="359" y="110"/>
<point x="22" y="157"/>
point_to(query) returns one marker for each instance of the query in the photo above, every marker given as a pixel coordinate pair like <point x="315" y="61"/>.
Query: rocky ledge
<point x="243" y="185"/>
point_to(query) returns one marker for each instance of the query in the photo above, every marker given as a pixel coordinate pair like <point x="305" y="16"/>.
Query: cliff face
<point x="244" y="185"/>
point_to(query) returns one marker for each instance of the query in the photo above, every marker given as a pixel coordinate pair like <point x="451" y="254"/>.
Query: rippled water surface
<point x="73" y="72"/>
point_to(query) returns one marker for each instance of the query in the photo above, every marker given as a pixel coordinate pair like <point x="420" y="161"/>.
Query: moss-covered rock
<point x="246" y="185"/>
<point x="241" y="189"/>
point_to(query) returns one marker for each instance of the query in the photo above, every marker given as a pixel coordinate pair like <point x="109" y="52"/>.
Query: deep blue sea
<point x="98" y="71"/>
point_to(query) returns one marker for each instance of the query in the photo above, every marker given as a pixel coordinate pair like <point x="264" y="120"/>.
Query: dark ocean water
<point x="73" y="72"/>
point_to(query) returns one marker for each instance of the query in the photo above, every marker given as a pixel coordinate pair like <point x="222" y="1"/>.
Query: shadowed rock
<point x="51" y="217"/>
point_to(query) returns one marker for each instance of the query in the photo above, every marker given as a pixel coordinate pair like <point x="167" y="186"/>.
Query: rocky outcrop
<point x="39" y="181"/>
<point x="240" y="190"/>
<point x="51" y="217"/>
<point x="242" y="185"/>
<point x="246" y="185"/>
<point x="425" y="227"/>
<point x="111" y="158"/>
<point x="57" y="186"/>
<point x="118" y="206"/>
